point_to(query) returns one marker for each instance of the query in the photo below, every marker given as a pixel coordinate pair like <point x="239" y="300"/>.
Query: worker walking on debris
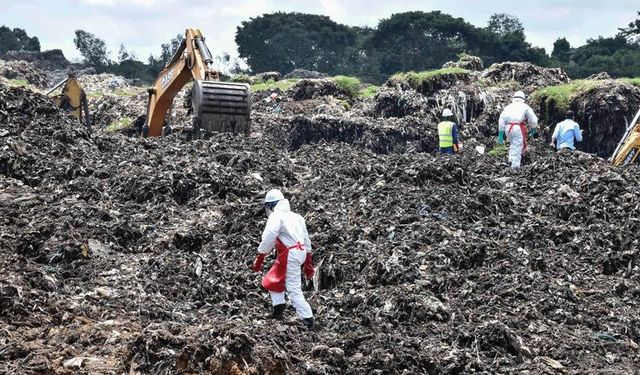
<point x="514" y="120"/>
<point x="286" y="231"/>
<point x="448" y="133"/>
<point x="566" y="132"/>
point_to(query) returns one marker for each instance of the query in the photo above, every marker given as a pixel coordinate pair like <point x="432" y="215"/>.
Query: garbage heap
<point x="123" y="254"/>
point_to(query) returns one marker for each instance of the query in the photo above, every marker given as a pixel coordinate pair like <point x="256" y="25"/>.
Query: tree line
<point x="419" y="41"/>
<point x="403" y="42"/>
<point x="17" y="40"/>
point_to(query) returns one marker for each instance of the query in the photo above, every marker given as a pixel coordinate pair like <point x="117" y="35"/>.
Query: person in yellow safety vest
<point x="448" y="133"/>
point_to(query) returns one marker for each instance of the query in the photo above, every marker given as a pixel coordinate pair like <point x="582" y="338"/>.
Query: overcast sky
<point x="142" y="25"/>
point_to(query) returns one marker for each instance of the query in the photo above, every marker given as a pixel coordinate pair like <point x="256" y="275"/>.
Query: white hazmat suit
<point x="287" y="231"/>
<point x="513" y="122"/>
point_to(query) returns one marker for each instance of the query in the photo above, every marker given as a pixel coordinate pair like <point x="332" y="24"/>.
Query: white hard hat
<point x="273" y="195"/>
<point x="519" y="95"/>
<point x="447" y="112"/>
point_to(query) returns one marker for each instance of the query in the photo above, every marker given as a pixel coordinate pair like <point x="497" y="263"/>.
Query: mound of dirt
<point x="526" y="74"/>
<point x="398" y="102"/>
<point x="267" y="76"/>
<point x="326" y="105"/>
<point x="602" y="112"/>
<point x="383" y="137"/>
<point x="49" y="60"/>
<point x="314" y="88"/>
<point x="600" y="76"/>
<point x="131" y="255"/>
<point x="429" y="86"/>
<point x="103" y="83"/>
<point x="467" y="62"/>
<point x="23" y="70"/>
<point x="105" y="109"/>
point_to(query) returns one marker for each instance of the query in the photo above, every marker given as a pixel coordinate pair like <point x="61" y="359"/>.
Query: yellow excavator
<point x="629" y="146"/>
<point x="217" y="106"/>
<point x="72" y="99"/>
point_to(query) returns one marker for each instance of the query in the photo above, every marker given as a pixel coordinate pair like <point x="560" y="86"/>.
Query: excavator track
<point x="221" y="107"/>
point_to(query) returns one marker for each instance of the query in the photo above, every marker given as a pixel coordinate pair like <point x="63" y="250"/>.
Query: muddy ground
<point x="123" y="255"/>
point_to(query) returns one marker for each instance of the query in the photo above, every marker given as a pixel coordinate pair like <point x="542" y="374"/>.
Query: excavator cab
<point x="72" y="99"/>
<point x="216" y="106"/>
<point x="629" y="146"/>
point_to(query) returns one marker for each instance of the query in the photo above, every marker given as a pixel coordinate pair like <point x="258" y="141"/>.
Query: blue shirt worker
<point x="566" y="132"/>
<point x="448" y="133"/>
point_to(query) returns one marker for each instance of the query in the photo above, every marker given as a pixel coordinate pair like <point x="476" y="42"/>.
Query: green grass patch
<point x="242" y="78"/>
<point x="632" y="81"/>
<point x="119" y="124"/>
<point x="417" y="79"/>
<point x="283" y="85"/>
<point x="350" y="85"/>
<point x="560" y="96"/>
<point x="498" y="150"/>
<point x="354" y="87"/>
<point x="19" y="82"/>
<point x="369" y="91"/>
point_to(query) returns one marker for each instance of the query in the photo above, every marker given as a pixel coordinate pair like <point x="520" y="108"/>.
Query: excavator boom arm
<point x="217" y="106"/>
<point x="629" y="147"/>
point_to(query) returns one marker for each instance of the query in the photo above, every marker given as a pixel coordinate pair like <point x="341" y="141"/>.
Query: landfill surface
<point x="129" y="255"/>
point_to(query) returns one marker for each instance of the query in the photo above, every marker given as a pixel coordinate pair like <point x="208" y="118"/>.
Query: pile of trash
<point x="603" y="111"/>
<point x="48" y="60"/>
<point x="103" y="83"/>
<point x="467" y="62"/>
<point x="399" y="102"/>
<point x="526" y="74"/>
<point x="314" y="88"/>
<point x="23" y="71"/>
<point x="131" y="255"/>
<point x="107" y="108"/>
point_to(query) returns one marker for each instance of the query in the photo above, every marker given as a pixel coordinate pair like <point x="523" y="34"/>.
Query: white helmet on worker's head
<point x="271" y="199"/>
<point x="273" y="195"/>
<point x="447" y="113"/>
<point x="519" y="95"/>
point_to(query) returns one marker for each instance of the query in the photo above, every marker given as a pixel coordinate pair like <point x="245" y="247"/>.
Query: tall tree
<point x="123" y="54"/>
<point x="419" y="41"/>
<point x="92" y="48"/>
<point x="17" y="40"/>
<point x="503" y="24"/>
<point x="561" y="50"/>
<point x="170" y="48"/>
<point x="507" y="42"/>
<point x="633" y="30"/>
<point x="285" y="41"/>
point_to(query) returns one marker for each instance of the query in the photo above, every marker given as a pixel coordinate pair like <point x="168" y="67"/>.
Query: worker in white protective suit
<point x="287" y="232"/>
<point x="514" y="121"/>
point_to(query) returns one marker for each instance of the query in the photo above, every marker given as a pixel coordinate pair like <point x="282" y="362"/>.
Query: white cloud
<point x="135" y="3"/>
<point x="142" y="25"/>
<point x="334" y="9"/>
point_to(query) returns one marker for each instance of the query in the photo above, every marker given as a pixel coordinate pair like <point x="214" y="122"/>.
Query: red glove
<point x="308" y="266"/>
<point x="257" y="264"/>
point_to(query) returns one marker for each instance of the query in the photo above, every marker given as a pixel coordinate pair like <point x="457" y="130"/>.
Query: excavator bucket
<point x="72" y="99"/>
<point x="221" y="107"/>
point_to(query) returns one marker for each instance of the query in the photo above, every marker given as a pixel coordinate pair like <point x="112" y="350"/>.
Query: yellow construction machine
<point x="217" y="106"/>
<point x="629" y="146"/>
<point x="72" y="99"/>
